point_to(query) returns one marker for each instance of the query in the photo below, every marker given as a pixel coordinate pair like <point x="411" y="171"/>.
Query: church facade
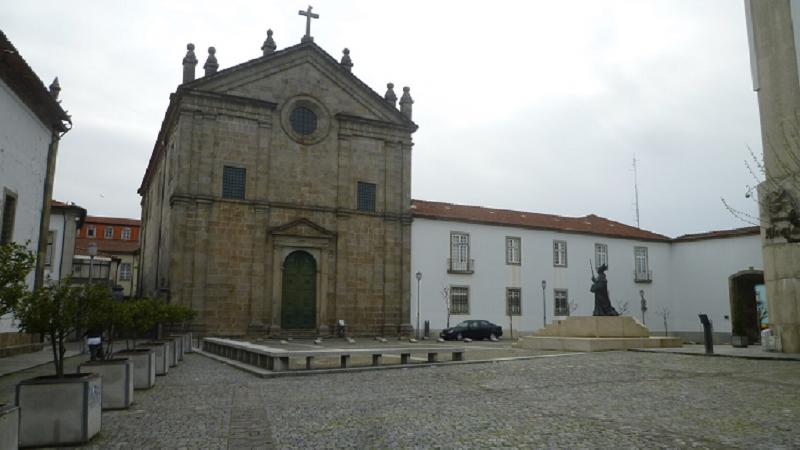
<point x="277" y="198"/>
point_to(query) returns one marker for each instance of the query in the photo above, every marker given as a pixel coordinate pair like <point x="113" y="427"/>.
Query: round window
<point x="303" y="121"/>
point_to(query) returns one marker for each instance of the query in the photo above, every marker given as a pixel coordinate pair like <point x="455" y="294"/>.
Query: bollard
<point x="708" y="335"/>
<point x="427" y="328"/>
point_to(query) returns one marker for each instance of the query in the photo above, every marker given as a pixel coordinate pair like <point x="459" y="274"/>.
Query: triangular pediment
<point x="302" y="228"/>
<point x="303" y="70"/>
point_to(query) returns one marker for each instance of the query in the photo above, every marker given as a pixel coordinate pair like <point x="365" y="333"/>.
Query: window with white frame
<point x="513" y="302"/>
<point x="641" y="263"/>
<point x="48" y="256"/>
<point x="126" y="234"/>
<point x="600" y="255"/>
<point x="125" y="271"/>
<point x="560" y="253"/>
<point x="513" y="250"/>
<point x="91" y="231"/>
<point x="109" y="233"/>
<point x="459" y="252"/>
<point x="561" y="302"/>
<point x="459" y="300"/>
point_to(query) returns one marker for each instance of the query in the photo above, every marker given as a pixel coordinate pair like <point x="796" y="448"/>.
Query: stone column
<point x="773" y="41"/>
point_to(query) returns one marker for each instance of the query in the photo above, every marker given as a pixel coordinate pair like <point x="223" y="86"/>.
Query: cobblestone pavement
<point x="600" y="400"/>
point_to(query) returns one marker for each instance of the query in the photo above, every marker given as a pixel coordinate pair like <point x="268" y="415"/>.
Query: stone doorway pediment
<point x="302" y="228"/>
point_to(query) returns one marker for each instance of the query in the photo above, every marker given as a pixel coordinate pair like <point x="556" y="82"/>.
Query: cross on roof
<point x="309" y="15"/>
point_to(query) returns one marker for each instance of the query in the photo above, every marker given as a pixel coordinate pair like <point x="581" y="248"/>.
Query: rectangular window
<point x="366" y="197"/>
<point x="560" y="253"/>
<point x="600" y="255"/>
<point x="48" y="256"/>
<point x="126" y="234"/>
<point x="642" y="266"/>
<point x="459" y="300"/>
<point x="459" y="253"/>
<point x="90" y="231"/>
<point x="125" y="271"/>
<point x="513" y="302"/>
<point x="9" y="211"/>
<point x="561" y="302"/>
<point x="513" y="250"/>
<point x="109" y="233"/>
<point x="233" y="181"/>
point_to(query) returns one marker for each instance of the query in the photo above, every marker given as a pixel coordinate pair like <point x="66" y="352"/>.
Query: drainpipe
<point x="44" y="221"/>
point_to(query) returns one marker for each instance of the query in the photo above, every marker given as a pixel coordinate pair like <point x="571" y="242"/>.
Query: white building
<point x="31" y="123"/>
<point x="483" y="262"/>
<point x="65" y="221"/>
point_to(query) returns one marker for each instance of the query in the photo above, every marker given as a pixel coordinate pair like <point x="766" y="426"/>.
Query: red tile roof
<point x="590" y="224"/>
<point x="719" y="234"/>
<point x="113" y="221"/>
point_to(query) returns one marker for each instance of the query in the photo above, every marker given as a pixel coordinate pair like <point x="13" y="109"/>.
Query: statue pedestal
<point x="595" y="334"/>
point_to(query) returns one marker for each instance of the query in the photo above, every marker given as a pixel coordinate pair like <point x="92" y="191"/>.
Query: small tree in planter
<point x="137" y="316"/>
<point x="178" y="317"/>
<point x="56" y="312"/>
<point x="16" y="262"/>
<point x="117" y="371"/>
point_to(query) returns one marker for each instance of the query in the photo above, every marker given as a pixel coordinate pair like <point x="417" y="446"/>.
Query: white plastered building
<point x="483" y="262"/>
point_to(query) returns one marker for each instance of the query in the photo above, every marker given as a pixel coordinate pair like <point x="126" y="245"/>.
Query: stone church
<point x="277" y="197"/>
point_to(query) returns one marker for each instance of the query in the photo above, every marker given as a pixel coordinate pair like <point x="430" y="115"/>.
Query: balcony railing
<point x="460" y="265"/>
<point x="640" y="276"/>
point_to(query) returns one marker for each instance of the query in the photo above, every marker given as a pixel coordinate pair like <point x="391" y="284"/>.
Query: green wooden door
<point x="299" y="299"/>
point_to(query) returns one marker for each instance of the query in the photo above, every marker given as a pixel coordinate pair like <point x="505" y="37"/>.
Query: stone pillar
<point x="775" y="56"/>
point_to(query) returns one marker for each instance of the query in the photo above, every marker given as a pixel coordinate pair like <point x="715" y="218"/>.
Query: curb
<point x="263" y="373"/>
<point x="719" y="355"/>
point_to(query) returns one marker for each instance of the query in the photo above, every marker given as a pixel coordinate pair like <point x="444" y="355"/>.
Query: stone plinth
<point x="595" y="334"/>
<point x="595" y="327"/>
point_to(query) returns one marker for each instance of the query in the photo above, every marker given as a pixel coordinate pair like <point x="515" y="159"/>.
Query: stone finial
<point x="346" y="62"/>
<point x="405" y="102"/>
<point x="211" y="64"/>
<point x="390" y="96"/>
<point x="269" y="44"/>
<point x="55" y="88"/>
<point x="189" y="63"/>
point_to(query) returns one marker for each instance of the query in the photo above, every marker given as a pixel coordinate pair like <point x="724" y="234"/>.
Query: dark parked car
<point x="473" y="329"/>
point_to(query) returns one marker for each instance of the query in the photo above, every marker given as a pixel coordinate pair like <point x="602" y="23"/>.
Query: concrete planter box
<point x="739" y="341"/>
<point x="179" y="341"/>
<point x="117" y="376"/>
<point x="172" y="357"/>
<point x="9" y="426"/>
<point x="59" y="411"/>
<point x="144" y="366"/>
<point x="163" y="355"/>
<point x="187" y="343"/>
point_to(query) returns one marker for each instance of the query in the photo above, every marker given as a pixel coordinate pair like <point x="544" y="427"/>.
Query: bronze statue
<point x="602" y="303"/>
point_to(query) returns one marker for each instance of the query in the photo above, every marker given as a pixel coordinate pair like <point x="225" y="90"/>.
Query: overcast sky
<point x="536" y="106"/>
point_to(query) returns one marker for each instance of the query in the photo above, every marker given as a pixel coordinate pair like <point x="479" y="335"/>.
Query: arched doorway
<point x="745" y="319"/>
<point x="299" y="292"/>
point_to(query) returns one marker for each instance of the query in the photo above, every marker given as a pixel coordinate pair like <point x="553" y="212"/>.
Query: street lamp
<point x="419" y="278"/>
<point x="92" y="248"/>
<point x="644" y="304"/>
<point x="544" y="303"/>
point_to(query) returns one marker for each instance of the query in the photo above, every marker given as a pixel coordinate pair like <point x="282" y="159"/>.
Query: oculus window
<point x="303" y="120"/>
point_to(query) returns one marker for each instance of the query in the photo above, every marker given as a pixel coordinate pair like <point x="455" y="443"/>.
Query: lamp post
<point x="644" y="304"/>
<point x="419" y="278"/>
<point x="92" y="248"/>
<point x="544" y="303"/>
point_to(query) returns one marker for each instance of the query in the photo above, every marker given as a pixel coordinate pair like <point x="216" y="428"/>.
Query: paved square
<point x="609" y="400"/>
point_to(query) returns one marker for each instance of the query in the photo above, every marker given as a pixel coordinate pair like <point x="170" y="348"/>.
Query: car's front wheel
<point x="492" y="337"/>
<point x="459" y="336"/>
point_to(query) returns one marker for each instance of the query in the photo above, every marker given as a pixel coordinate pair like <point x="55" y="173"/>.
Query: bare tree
<point x="446" y="297"/>
<point x="665" y="314"/>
